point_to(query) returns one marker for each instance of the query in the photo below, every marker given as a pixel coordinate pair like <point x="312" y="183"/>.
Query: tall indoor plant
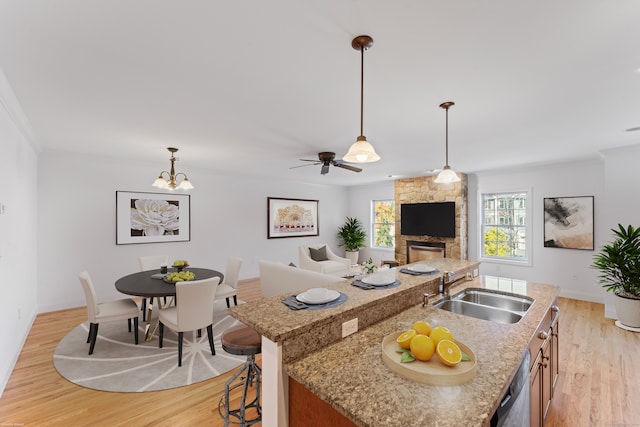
<point x="619" y="265"/>
<point x="353" y="237"/>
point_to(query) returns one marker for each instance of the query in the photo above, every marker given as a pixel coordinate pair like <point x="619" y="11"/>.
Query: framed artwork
<point x="291" y="218"/>
<point x="568" y="222"/>
<point x="152" y="217"/>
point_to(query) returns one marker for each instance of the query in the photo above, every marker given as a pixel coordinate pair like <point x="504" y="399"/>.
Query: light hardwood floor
<point x="599" y="382"/>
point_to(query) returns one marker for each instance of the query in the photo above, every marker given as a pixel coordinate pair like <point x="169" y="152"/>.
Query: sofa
<point x="277" y="279"/>
<point x="321" y="259"/>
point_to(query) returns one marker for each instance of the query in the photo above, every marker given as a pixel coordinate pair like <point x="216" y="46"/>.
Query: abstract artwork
<point x="568" y="222"/>
<point x="291" y="217"/>
<point x="152" y="217"/>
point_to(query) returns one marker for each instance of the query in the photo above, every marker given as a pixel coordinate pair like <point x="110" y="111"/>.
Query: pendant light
<point x="447" y="175"/>
<point x="171" y="184"/>
<point x="361" y="151"/>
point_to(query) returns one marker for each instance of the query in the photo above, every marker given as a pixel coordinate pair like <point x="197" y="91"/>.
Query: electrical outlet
<point x="475" y="272"/>
<point x="349" y="327"/>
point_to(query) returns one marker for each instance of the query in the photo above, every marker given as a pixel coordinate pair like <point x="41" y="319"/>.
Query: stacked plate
<point x="318" y="296"/>
<point x="421" y="268"/>
<point x="379" y="279"/>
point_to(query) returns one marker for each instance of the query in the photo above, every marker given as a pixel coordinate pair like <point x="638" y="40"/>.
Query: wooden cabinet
<point x="545" y="366"/>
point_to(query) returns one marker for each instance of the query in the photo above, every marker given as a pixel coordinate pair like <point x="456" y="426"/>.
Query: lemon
<point x="422" y="348"/>
<point x="448" y="352"/>
<point x="441" y="333"/>
<point x="405" y="338"/>
<point x="422" y="327"/>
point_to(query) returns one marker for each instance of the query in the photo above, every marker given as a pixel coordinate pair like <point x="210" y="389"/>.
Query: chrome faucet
<point x="447" y="282"/>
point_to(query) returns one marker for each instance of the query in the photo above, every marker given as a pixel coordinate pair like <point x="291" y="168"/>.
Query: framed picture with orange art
<point x="291" y="217"/>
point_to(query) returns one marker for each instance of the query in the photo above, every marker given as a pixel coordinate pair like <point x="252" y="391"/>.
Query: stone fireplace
<point x="423" y="190"/>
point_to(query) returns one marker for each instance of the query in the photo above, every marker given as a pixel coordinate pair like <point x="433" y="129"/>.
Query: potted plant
<point x="353" y="236"/>
<point x="619" y="265"/>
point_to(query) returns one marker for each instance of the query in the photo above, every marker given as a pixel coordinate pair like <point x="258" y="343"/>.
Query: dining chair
<point x="193" y="311"/>
<point x="150" y="262"/>
<point x="125" y="308"/>
<point x="228" y="288"/>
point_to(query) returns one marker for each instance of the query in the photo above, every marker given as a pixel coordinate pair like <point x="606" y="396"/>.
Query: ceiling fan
<point x="326" y="159"/>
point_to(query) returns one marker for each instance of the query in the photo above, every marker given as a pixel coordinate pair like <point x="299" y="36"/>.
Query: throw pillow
<point x="319" y="254"/>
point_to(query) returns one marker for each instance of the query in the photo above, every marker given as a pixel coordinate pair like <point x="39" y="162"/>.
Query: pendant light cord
<point x="446" y="106"/>
<point x="446" y="156"/>
<point x="361" y="88"/>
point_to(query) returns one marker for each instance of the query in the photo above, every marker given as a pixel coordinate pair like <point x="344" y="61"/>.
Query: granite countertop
<point x="302" y="331"/>
<point x="352" y="377"/>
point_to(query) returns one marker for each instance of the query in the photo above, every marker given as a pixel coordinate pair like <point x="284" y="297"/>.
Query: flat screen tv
<point x="428" y="219"/>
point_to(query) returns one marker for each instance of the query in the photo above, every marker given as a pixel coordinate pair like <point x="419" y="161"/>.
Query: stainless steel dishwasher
<point x="513" y="410"/>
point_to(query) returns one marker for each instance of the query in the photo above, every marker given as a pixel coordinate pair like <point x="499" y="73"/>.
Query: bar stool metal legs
<point x="243" y="341"/>
<point x="253" y="375"/>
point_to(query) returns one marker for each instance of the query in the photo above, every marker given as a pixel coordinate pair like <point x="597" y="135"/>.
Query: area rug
<point x="117" y="364"/>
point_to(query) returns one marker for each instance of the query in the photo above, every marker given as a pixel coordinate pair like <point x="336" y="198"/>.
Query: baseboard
<point x="14" y="358"/>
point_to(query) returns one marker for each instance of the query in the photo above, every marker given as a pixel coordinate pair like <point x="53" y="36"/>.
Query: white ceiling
<point x="252" y="86"/>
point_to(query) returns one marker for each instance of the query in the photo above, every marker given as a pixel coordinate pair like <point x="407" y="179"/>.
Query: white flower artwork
<point x="152" y="217"/>
<point x="155" y="217"/>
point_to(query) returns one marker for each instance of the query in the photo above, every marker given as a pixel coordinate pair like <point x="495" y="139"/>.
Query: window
<point x="504" y="226"/>
<point x="383" y="224"/>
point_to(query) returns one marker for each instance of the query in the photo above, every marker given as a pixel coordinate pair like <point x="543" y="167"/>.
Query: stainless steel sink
<point x="511" y="302"/>
<point x="478" y="311"/>
<point x="495" y="306"/>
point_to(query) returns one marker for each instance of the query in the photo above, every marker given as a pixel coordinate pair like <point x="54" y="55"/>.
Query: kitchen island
<point x="349" y="375"/>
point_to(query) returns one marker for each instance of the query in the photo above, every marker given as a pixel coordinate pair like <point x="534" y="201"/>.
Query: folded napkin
<point x="293" y="303"/>
<point x="366" y="286"/>
<point x="362" y="285"/>
<point x="417" y="273"/>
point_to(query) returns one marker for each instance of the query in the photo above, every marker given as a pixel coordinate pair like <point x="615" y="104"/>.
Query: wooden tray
<point x="432" y="372"/>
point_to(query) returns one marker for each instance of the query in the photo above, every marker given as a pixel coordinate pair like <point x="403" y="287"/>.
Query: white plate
<point x="421" y="268"/>
<point x="381" y="280"/>
<point x="314" y="299"/>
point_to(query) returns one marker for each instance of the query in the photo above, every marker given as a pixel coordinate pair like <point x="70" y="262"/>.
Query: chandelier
<point x="171" y="183"/>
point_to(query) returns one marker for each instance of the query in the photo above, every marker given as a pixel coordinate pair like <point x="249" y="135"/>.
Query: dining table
<point x="151" y="284"/>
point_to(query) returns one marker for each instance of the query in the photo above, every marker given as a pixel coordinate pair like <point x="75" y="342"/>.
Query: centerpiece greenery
<point x="619" y="266"/>
<point x="369" y="267"/>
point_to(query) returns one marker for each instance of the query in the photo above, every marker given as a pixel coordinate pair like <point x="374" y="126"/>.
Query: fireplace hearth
<point x="422" y="250"/>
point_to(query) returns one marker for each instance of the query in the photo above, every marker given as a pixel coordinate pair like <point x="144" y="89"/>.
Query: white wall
<point x="76" y="222"/>
<point x="567" y="268"/>
<point x="359" y="206"/>
<point x="622" y="204"/>
<point x="18" y="232"/>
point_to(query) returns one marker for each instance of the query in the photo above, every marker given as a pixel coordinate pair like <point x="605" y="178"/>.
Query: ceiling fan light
<point x="447" y="176"/>
<point x="361" y="152"/>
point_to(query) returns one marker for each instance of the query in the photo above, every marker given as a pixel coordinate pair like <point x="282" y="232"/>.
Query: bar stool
<point x="244" y="341"/>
